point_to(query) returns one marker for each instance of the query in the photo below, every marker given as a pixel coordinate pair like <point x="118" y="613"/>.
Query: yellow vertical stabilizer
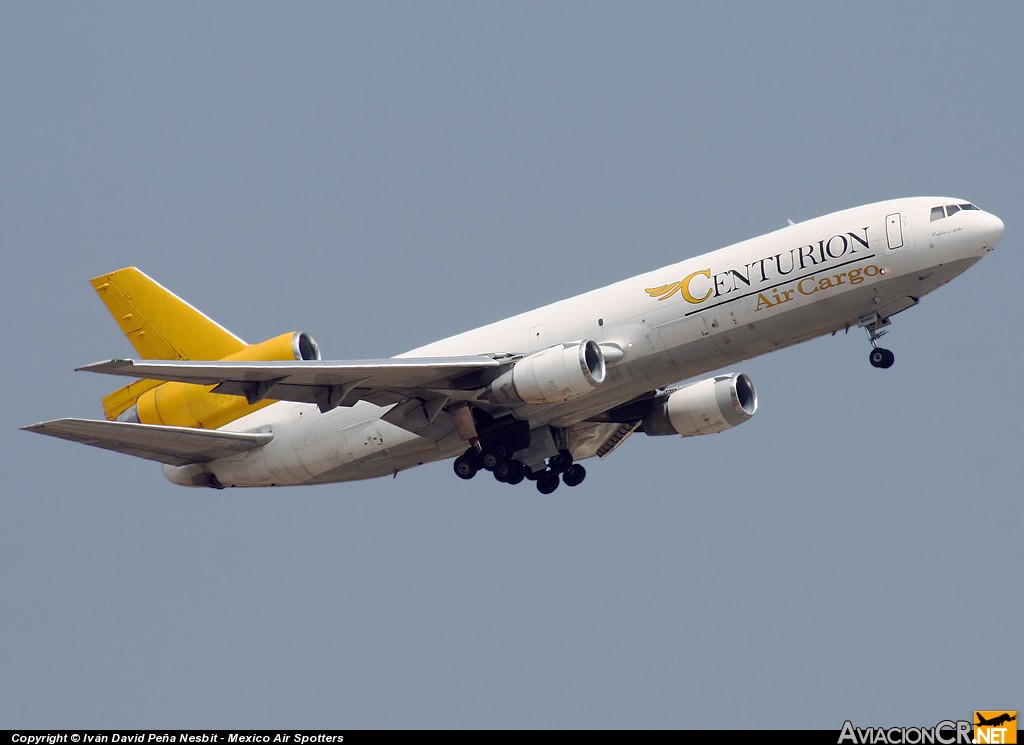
<point x="160" y="326"/>
<point x="158" y="323"/>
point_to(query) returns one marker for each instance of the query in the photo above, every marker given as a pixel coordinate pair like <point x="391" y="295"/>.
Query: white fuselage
<point x="671" y="324"/>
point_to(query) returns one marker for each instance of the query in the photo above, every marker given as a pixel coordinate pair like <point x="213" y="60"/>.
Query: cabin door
<point x="894" y="230"/>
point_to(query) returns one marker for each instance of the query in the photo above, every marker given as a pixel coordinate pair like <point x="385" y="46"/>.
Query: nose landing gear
<point x="882" y="358"/>
<point x="876" y="328"/>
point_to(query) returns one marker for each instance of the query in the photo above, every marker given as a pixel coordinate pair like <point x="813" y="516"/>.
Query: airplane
<point x="530" y="396"/>
<point x="995" y="721"/>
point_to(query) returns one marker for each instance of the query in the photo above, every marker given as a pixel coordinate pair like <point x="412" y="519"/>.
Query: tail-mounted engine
<point x="704" y="408"/>
<point x="554" y="375"/>
<point x="188" y="405"/>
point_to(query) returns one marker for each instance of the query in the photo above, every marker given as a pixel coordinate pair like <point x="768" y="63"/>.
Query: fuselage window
<point x="951" y="209"/>
<point x="937" y="213"/>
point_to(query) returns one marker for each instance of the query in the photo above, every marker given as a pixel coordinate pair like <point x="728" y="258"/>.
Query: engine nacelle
<point x="551" y="376"/>
<point x="704" y="408"/>
<point x="190" y="405"/>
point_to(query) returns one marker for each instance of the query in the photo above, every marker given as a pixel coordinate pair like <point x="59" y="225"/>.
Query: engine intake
<point x="704" y="408"/>
<point x="551" y="376"/>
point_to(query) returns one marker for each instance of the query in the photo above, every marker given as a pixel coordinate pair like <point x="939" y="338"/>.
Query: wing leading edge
<point x="328" y="384"/>
<point x="176" y="446"/>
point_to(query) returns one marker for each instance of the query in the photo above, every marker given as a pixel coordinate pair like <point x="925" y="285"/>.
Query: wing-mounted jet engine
<point x="550" y="376"/>
<point x="704" y="408"/>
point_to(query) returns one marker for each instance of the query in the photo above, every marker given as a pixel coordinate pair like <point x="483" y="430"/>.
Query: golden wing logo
<point x="665" y="291"/>
<point x="995" y="727"/>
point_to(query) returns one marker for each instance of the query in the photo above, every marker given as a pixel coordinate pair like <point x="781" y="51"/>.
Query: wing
<point x="327" y="384"/>
<point x="176" y="446"/>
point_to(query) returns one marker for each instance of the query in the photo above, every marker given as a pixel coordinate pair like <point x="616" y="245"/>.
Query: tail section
<point x="162" y="326"/>
<point x="158" y="323"/>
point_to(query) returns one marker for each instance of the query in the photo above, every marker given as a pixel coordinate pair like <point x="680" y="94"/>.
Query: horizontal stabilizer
<point x="176" y="446"/>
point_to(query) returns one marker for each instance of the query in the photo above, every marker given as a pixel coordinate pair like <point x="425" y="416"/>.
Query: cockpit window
<point x="949" y="210"/>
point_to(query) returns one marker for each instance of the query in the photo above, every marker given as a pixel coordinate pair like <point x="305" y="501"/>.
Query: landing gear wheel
<point x="561" y="462"/>
<point x="517" y="473"/>
<point x="504" y="471"/>
<point x="492" y="456"/>
<point x="547" y="483"/>
<point x="882" y="358"/>
<point x="574" y="475"/>
<point x="465" y="466"/>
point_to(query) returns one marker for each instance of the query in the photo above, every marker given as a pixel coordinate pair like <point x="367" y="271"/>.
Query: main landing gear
<point x="876" y="328"/>
<point x="509" y="471"/>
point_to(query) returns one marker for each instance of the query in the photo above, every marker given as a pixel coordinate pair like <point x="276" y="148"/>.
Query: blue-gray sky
<point x="385" y="174"/>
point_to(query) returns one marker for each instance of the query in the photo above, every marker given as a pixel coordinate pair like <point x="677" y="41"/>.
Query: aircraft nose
<point x="995" y="230"/>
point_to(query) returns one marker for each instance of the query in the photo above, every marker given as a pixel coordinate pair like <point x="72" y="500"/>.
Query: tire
<point x="464" y="467"/>
<point x="503" y="471"/>
<point x="517" y="474"/>
<point x="491" y="457"/>
<point x="561" y="462"/>
<point x="547" y="483"/>
<point x="574" y="475"/>
<point x="882" y="358"/>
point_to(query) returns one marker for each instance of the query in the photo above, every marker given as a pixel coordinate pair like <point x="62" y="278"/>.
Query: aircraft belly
<point x="397" y="450"/>
<point x="346" y="444"/>
<point x="306" y="445"/>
